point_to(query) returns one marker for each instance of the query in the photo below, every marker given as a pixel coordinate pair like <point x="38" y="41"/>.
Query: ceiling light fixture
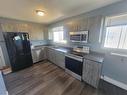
<point x="40" y="12"/>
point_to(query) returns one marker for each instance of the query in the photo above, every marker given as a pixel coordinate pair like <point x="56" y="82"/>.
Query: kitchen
<point x="71" y="55"/>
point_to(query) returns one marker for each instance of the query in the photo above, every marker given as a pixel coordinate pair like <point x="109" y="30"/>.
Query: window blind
<point x="116" y="32"/>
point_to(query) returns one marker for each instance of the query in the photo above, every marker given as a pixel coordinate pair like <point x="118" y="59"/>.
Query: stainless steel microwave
<point x="81" y="36"/>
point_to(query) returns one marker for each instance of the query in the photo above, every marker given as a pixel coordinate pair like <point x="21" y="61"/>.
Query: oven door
<point x="74" y="65"/>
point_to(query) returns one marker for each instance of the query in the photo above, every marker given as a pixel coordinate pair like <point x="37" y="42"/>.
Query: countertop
<point x="93" y="56"/>
<point x="36" y="47"/>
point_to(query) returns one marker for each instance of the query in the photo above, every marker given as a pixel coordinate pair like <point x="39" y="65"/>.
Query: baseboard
<point x="114" y="82"/>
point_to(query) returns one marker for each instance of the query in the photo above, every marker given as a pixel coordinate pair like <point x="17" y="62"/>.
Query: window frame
<point x="104" y="36"/>
<point x="58" y="42"/>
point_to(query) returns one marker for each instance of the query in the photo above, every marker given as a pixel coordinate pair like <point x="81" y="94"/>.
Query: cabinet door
<point x="34" y="56"/>
<point x="1" y="34"/>
<point x="94" y="27"/>
<point x="36" y="32"/>
<point x="47" y="53"/>
<point x="51" y="55"/>
<point x="1" y="37"/>
<point x="2" y="60"/>
<point x="91" y="72"/>
<point x="60" y="59"/>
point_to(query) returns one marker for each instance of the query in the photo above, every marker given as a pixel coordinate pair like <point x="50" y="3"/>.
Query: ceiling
<point x="54" y="9"/>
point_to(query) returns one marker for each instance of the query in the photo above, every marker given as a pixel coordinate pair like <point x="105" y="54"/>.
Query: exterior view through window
<point x="116" y="32"/>
<point x="58" y="34"/>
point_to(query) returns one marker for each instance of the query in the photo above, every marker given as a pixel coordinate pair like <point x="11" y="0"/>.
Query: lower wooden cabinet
<point x="1" y="37"/>
<point x="60" y="59"/>
<point x="56" y="57"/>
<point x="51" y="55"/>
<point x="92" y="72"/>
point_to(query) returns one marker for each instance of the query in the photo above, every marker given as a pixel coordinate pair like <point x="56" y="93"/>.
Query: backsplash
<point x="39" y="42"/>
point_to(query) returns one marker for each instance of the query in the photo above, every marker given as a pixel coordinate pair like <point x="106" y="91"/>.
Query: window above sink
<point x="58" y="35"/>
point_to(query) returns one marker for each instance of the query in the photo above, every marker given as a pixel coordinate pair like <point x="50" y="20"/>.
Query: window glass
<point x="116" y="32"/>
<point x="58" y="35"/>
<point x="116" y="37"/>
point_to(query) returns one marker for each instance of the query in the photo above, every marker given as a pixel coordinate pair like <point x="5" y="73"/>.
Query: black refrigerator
<point x="19" y="51"/>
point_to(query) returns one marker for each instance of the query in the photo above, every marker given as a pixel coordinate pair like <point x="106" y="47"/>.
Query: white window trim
<point x="110" y="48"/>
<point x="104" y="36"/>
<point x="59" y="42"/>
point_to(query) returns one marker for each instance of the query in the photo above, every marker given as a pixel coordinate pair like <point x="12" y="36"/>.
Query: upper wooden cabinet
<point x="36" y="35"/>
<point x="36" y="31"/>
<point x="94" y="28"/>
<point x="92" y="24"/>
<point x="14" y="27"/>
<point x="78" y="25"/>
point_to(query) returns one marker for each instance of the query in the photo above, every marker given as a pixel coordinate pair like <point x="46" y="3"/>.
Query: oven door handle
<point x="75" y="58"/>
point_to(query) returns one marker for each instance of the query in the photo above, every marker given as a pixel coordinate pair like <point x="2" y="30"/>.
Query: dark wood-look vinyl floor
<point x="46" y="78"/>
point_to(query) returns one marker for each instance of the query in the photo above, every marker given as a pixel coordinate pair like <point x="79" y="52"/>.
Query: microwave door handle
<point x="86" y="38"/>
